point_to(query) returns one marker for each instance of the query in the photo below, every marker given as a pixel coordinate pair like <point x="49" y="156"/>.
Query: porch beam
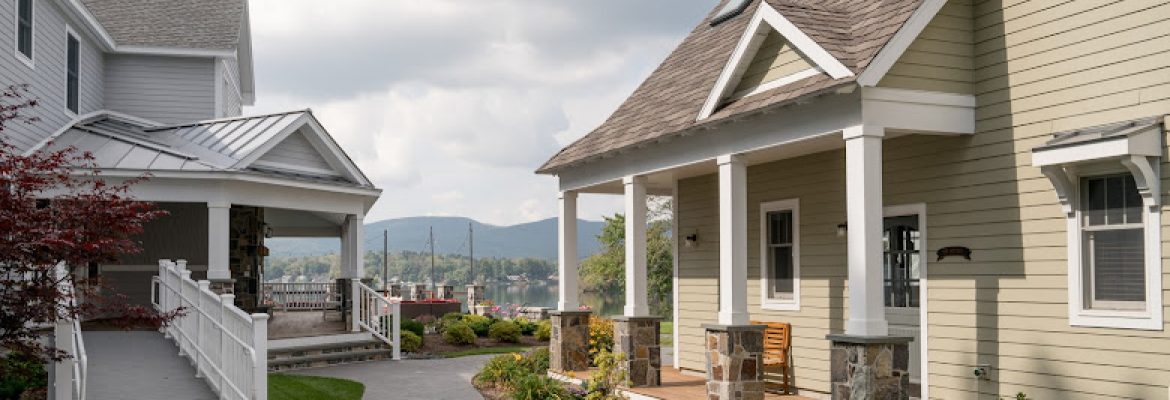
<point x="732" y="240"/>
<point x="567" y="251"/>
<point x="352" y="247"/>
<point x="863" y="189"/>
<point x="635" y="202"/>
<point x="218" y="241"/>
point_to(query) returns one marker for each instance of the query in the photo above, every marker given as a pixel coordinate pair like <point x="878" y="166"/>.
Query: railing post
<point x="199" y="324"/>
<point x="396" y="308"/>
<point x="355" y="304"/>
<point x="226" y="301"/>
<point x="63" y="370"/>
<point x="260" y="356"/>
<point x="185" y="322"/>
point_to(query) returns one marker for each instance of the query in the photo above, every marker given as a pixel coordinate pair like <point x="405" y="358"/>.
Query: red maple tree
<point x="57" y="213"/>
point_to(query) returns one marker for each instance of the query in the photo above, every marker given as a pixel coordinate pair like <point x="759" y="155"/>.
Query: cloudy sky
<point x="449" y="105"/>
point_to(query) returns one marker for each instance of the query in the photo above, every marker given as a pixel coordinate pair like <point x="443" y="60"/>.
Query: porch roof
<point x="121" y="142"/>
<point x="670" y="100"/>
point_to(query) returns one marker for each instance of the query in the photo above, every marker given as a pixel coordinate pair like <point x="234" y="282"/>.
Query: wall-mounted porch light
<point x="842" y="229"/>
<point x="692" y="240"/>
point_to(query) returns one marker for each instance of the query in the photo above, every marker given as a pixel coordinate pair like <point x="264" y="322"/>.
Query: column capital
<point x="567" y="194"/>
<point x="634" y="179"/>
<point x="219" y="204"/>
<point x="857" y="131"/>
<point x="729" y="159"/>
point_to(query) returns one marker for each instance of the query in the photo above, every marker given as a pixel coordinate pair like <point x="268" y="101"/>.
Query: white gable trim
<point x="781" y="81"/>
<point x="902" y="40"/>
<point x="320" y="140"/>
<point x="750" y="43"/>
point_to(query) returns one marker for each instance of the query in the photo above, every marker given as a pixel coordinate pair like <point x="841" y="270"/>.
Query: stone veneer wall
<point x="735" y="362"/>
<point x="870" y="369"/>
<point x="569" y="345"/>
<point x="637" y="337"/>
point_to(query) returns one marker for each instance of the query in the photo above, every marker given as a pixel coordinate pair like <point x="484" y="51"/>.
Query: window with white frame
<point x="72" y="49"/>
<point x="24" y="29"/>
<point x="780" y="255"/>
<point x="1112" y="243"/>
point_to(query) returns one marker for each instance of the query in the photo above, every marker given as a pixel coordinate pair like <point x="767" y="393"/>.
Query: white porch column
<point x="732" y="240"/>
<point x="218" y="242"/>
<point x="863" y="189"/>
<point x="352" y="247"/>
<point x="635" y="201"/>
<point x="567" y="254"/>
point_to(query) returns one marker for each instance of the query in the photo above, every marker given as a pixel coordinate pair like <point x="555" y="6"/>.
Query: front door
<point x="904" y="262"/>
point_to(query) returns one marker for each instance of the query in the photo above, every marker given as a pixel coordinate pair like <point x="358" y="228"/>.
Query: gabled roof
<point x="670" y="101"/>
<point x="184" y="24"/>
<point x="124" y="142"/>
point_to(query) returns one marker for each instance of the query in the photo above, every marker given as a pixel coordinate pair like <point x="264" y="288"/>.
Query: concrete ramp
<point x="140" y="365"/>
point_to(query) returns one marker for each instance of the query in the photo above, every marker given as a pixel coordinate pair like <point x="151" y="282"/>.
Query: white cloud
<point x="450" y="105"/>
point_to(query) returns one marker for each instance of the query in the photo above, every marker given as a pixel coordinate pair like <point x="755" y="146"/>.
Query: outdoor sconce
<point x="692" y="240"/>
<point x="842" y="229"/>
<point x="267" y="231"/>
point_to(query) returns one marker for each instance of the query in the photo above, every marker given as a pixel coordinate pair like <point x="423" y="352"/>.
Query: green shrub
<point x="538" y="360"/>
<point x="458" y="333"/>
<point x="543" y="331"/>
<point x="505" y="331"/>
<point x="19" y="373"/>
<point x="507" y="371"/>
<point x="410" y="342"/>
<point x="538" y="387"/>
<point x="478" y="324"/>
<point x="527" y="327"/>
<point x="604" y="381"/>
<point x="600" y="336"/>
<point x="413" y="326"/>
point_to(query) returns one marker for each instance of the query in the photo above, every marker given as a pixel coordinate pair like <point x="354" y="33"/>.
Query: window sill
<point x="1117" y="319"/>
<point x="779" y="305"/>
<point x="26" y="60"/>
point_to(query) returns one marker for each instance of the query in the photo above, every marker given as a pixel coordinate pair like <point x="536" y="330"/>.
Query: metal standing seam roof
<point x="123" y="142"/>
<point x="669" y="101"/>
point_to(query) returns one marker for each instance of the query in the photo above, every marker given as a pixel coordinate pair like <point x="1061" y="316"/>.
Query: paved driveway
<point x="440" y="379"/>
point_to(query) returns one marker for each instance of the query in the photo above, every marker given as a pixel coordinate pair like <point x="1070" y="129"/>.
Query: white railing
<point x="377" y="315"/>
<point x="69" y="375"/>
<point x="228" y="347"/>
<point x="300" y="296"/>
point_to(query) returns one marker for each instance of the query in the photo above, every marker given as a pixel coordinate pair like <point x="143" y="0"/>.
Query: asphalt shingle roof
<point x="669" y="101"/>
<point x="187" y="24"/>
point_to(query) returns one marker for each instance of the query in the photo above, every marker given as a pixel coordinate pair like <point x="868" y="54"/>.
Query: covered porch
<point x="725" y="224"/>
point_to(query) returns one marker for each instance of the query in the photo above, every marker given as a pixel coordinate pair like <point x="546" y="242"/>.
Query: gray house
<point x="157" y="86"/>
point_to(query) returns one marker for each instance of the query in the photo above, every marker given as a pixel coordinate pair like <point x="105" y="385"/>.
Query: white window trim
<point x="65" y="104"/>
<point x="1151" y="317"/>
<point x="29" y="61"/>
<point x="767" y="303"/>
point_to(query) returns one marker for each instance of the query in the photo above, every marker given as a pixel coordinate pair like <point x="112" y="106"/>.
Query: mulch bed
<point x="434" y="346"/>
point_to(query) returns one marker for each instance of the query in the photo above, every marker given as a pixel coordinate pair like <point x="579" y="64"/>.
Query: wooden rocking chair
<point x="777" y="345"/>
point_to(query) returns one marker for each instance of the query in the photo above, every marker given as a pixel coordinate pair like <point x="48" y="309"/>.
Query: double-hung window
<point x="780" y="255"/>
<point x="71" y="70"/>
<point x="1112" y="243"/>
<point x="24" y="30"/>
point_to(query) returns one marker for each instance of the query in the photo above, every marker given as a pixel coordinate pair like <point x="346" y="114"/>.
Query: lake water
<point x="543" y="295"/>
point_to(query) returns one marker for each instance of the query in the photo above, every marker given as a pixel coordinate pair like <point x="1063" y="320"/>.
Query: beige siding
<point x="775" y="59"/>
<point x="1038" y="67"/>
<point x="941" y="58"/>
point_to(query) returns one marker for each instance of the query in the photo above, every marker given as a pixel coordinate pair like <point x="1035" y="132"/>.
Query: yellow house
<point x="950" y="199"/>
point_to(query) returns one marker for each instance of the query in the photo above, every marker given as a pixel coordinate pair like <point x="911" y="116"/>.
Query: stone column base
<point x="223" y="286"/>
<point x="637" y="337"/>
<point x="870" y="367"/>
<point x="474" y="296"/>
<point x="735" y="362"/>
<point x="569" y="345"/>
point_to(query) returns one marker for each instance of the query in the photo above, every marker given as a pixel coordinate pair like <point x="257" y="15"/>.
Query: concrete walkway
<point x="140" y="365"/>
<point x="440" y="379"/>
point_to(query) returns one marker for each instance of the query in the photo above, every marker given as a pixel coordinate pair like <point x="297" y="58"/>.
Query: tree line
<point x="411" y="266"/>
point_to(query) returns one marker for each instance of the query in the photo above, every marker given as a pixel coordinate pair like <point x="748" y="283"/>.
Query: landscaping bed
<point x="456" y="335"/>
<point x="434" y="346"/>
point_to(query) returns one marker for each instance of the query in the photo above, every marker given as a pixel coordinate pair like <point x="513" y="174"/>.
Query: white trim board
<point x="901" y="41"/>
<point x="764" y="19"/>
<point x="792" y="205"/>
<point x="919" y="209"/>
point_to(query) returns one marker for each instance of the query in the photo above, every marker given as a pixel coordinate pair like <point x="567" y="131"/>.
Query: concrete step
<point x="326" y="351"/>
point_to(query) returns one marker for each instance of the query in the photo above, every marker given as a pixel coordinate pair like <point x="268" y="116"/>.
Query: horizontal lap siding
<point x="165" y="89"/>
<point x="775" y="59"/>
<point x="940" y="58"/>
<point x="46" y="79"/>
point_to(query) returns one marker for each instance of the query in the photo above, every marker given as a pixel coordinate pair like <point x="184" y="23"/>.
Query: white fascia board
<point x="919" y="111"/>
<point x="321" y="141"/>
<point x="824" y="116"/>
<point x="901" y="41"/>
<point x="750" y="43"/>
<point x="82" y="14"/>
<point x="243" y="177"/>
<point x="244" y="60"/>
<point x="1145" y="143"/>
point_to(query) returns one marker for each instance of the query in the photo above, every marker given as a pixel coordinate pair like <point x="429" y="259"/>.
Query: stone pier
<point x="638" y="337"/>
<point x="569" y="345"/>
<point x="870" y="367"/>
<point x="735" y="362"/>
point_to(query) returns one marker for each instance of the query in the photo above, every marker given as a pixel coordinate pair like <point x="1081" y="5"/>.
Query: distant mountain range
<point x="535" y="239"/>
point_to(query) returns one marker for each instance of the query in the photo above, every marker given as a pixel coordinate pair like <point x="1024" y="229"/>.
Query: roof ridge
<point x="227" y="119"/>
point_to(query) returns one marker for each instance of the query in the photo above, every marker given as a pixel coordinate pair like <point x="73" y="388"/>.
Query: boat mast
<point x="385" y="262"/>
<point x="434" y="284"/>
<point x="471" y="251"/>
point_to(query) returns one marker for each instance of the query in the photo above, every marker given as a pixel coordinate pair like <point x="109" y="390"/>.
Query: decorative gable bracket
<point x="767" y="18"/>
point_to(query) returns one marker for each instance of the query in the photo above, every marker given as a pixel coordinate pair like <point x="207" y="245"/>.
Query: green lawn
<point x="667" y="330"/>
<point x="487" y="350"/>
<point x="297" y="387"/>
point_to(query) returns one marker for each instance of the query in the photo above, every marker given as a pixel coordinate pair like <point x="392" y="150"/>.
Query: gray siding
<point x="46" y="79"/>
<point x="164" y="89"/>
<point x="296" y="150"/>
<point x="232" y="104"/>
